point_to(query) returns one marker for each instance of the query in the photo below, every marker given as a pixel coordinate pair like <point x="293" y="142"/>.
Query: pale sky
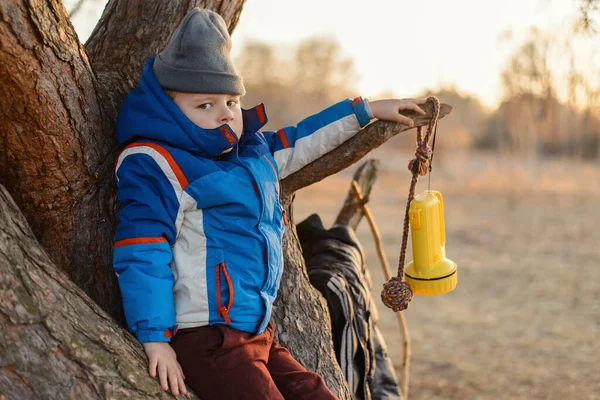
<point x="400" y="46"/>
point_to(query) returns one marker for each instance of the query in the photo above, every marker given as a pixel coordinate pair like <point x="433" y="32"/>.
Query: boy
<point x="198" y="245"/>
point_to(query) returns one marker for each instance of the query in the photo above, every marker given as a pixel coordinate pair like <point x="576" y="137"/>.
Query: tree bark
<point x="58" y="105"/>
<point x="58" y="148"/>
<point x="56" y="342"/>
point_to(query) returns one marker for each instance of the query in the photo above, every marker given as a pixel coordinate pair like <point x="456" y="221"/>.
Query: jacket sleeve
<point x="293" y="147"/>
<point x="142" y="255"/>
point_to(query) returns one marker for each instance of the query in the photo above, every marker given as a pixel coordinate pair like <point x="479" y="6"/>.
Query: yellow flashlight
<point x="430" y="273"/>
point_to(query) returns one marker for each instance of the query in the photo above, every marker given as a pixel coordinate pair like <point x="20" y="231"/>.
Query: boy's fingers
<point x="173" y="382"/>
<point x="413" y="105"/>
<point x="162" y="374"/>
<point x="182" y="384"/>
<point x="419" y="109"/>
<point x="405" y="121"/>
<point x="181" y="377"/>
<point x="152" y="366"/>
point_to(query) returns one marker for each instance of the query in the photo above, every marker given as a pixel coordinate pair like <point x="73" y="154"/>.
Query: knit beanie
<point x="197" y="58"/>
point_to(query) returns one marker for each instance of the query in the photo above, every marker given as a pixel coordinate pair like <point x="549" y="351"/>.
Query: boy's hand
<point x="389" y="109"/>
<point x="161" y="356"/>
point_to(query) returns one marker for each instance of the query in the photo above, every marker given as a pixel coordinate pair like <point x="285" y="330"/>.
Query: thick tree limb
<point x="56" y="159"/>
<point x="56" y="342"/>
<point x="371" y="137"/>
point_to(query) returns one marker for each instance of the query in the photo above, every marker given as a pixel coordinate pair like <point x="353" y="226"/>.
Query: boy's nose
<point x="227" y="115"/>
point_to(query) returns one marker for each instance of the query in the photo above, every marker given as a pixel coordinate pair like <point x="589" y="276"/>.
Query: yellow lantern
<point x="430" y="273"/>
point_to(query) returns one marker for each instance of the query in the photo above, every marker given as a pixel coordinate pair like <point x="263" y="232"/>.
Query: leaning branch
<point x="371" y="137"/>
<point x="352" y="212"/>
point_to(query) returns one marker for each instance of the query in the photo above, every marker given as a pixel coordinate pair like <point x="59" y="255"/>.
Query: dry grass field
<point x="524" y="321"/>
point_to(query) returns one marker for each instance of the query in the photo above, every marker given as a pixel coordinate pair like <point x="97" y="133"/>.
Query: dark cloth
<point x="222" y="363"/>
<point x="334" y="260"/>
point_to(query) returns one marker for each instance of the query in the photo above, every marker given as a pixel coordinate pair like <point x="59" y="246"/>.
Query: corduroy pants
<point x="223" y="363"/>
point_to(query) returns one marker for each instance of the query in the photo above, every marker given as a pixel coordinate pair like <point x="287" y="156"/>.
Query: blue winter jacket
<point x="199" y="235"/>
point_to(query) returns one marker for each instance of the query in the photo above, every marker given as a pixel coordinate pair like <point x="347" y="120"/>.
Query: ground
<point x="524" y="320"/>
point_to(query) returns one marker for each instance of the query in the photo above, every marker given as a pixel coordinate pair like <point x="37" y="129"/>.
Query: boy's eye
<point x="205" y="106"/>
<point x="231" y="103"/>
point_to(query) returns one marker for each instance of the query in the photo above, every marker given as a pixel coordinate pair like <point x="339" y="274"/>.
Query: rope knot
<point x="420" y="164"/>
<point x="396" y="294"/>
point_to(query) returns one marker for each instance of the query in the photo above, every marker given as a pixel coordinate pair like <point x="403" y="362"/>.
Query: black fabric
<point x="334" y="260"/>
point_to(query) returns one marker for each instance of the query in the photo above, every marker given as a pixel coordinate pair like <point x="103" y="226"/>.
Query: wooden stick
<point x="365" y="177"/>
<point x="386" y="270"/>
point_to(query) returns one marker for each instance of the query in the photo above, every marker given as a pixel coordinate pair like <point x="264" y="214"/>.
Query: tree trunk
<point x="56" y="342"/>
<point x="58" y="106"/>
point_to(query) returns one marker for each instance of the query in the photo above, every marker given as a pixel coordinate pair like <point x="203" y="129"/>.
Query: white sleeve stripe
<point x="159" y="159"/>
<point x="313" y="146"/>
<point x="166" y="169"/>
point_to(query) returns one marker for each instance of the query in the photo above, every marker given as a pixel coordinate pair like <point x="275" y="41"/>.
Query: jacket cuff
<point x="145" y="336"/>
<point x="360" y="109"/>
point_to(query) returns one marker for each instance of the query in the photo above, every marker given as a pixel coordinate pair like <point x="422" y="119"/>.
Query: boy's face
<point x="209" y="110"/>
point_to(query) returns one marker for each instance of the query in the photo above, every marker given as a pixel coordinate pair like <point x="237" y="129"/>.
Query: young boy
<point x="198" y="246"/>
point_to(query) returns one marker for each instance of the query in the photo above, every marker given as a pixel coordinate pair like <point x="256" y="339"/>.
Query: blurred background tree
<point x="550" y="104"/>
<point x="297" y="81"/>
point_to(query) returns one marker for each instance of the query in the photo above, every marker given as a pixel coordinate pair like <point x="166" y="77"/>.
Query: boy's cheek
<point x="237" y="127"/>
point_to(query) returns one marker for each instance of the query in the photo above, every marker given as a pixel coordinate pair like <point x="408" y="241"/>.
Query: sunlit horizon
<point x="401" y="47"/>
<point x="461" y="44"/>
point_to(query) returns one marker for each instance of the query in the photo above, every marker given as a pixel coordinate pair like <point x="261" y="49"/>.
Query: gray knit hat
<point x="197" y="57"/>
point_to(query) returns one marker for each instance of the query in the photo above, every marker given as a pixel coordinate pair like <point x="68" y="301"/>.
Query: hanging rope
<point x="396" y="293"/>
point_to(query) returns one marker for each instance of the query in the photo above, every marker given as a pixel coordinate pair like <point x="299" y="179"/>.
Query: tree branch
<point x="369" y="138"/>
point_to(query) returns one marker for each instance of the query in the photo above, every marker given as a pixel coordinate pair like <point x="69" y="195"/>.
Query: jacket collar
<point x="149" y="113"/>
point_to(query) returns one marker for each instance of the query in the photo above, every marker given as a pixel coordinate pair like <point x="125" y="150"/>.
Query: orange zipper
<point x="223" y="311"/>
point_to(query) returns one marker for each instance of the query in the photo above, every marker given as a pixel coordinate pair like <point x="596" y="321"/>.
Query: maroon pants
<point x="220" y="362"/>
